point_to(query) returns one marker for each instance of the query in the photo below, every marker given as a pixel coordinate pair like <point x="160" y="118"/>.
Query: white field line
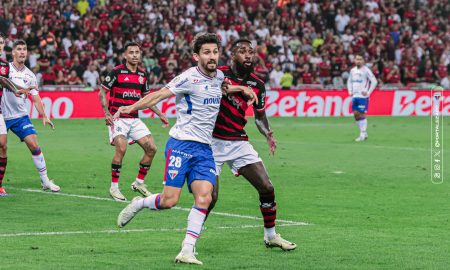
<point x="176" y="208"/>
<point x="137" y="230"/>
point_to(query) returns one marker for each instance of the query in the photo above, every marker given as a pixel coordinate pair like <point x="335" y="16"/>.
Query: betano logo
<point x="215" y="100"/>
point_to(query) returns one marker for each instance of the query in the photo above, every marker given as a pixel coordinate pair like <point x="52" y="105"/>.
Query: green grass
<point x="371" y="205"/>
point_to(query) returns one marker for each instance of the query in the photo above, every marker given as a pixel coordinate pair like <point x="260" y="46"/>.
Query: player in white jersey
<point x="16" y="114"/>
<point x="360" y="85"/>
<point x="189" y="157"/>
<point x="5" y="83"/>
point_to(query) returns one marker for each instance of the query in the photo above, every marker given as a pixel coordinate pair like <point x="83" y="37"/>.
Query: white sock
<point x="152" y="202"/>
<point x="114" y="185"/>
<point x="195" y="222"/>
<point x="39" y="162"/>
<point x="362" y="124"/>
<point x="269" y="233"/>
<point x="140" y="181"/>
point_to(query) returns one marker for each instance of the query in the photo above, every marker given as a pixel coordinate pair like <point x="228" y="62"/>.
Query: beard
<point x="210" y="69"/>
<point x="243" y="69"/>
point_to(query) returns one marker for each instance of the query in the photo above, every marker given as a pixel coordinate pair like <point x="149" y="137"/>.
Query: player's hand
<point x="251" y="95"/>
<point x="46" y="120"/>
<point x="272" y="143"/>
<point x="364" y="93"/>
<point x="350" y="94"/>
<point x="25" y="91"/>
<point x="124" y="110"/>
<point x="109" y="119"/>
<point x="224" y="86"/>
<point x="164" y="120"/>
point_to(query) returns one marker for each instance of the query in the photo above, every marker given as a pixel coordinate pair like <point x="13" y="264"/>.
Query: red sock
<point x="143" y="170"/>
<point x="268" y="208"/>
<point x="115" y="172"/>
<point x="3" y="162"/>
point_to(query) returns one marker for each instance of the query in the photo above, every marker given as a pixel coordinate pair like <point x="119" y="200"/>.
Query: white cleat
<point x="187" y="256"/>
<point x="141" y="188"/>
<point x="362" y="138"/>
<point x="128" y="213"/>
<point x="279" y="242"/>
<point x="116" y="194"/>
<point x="50" y="184"/>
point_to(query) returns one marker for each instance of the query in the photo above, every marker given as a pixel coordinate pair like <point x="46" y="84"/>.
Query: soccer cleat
<point x="128" y="213"/>
<point x="50" y="184"/>
<point x="3" y="192"/>
<point x="362" y="138"/>
<point x="277" y="241"/>
<point x="188" y="257"/>
<point x="116" y="194"/>
<point x="141" y="188"/>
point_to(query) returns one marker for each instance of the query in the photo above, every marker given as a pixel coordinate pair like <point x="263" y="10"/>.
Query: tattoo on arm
<point x="103" y="101"/>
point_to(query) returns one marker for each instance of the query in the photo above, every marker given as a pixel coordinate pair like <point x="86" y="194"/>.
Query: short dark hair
<point x="131" y="44"/>
<point x="361" y="53"/>
<point x="19" y="42"/>
<point x="2" y="35"/>
<point x="204" y="38"/>
<point x="235" y="43"/>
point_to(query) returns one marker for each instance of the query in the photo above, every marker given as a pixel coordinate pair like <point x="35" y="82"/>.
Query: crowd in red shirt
<point x="404" y="41"/>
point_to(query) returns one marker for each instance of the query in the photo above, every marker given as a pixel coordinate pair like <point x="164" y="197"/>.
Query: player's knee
<point x="203" y="201"/>
<point x="151" y="150"/>
<point x="3" y="150"/>
<point x="266" y="188"/>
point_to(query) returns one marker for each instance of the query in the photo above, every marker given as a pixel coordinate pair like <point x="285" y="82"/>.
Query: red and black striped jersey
<point x="4" y="72"/>
<point x="126" y="88"/>
<point x="231" y="120"/>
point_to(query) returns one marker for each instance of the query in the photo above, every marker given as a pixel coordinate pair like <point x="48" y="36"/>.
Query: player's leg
<point x="257" y="175"/>
<point x="3" y="159"/>
<point x="142" y="136"/>
<point x="359" y="107"/>
<point x="120" y="143"/>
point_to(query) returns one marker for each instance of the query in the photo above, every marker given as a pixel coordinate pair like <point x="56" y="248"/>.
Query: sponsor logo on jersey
<point x="126" y="79"/>
<point x="173" y="173"/>
<point x="214" y="100"/>
<point x="235" y="101"/>
<point x="131" y="94"/>
<point x="212" y="171"/>
<point x="182" y="153"/>
<point x="28" y="126"/>
<point x="251" y="83"/>
<point x="182" y="82"/>
<point x="123" y="71"/>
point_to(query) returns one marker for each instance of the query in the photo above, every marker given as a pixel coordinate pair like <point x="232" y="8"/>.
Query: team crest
<point x="3" y="71"/>
<point x="107" y="79"/>
<point x="173" y="173"/>
<point x="141" y="80"/>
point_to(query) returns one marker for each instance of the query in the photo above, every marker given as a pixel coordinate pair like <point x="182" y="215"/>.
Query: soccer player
<point x="5" y="82"/>
<point x="360" y="84"/>
<point x="126" y="84"/>
<point x="16" y="114"/>
<point x="230" y="141"/>
<point x="188" y="152"/>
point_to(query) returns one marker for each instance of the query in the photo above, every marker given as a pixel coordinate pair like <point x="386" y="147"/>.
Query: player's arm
<point x="262" y="123"/>
<point x="16" y="89"/>
<point x="148" y="101"/>
<point x="161" y="116"/>
<point x="349" y="84"/>
<point x="247" y="91"/>
<point x="104" y="104"/>
<point x="373" y="82"/>
<point x="40" y="108"/>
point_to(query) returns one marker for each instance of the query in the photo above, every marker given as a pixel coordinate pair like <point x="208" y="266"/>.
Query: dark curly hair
<point x="204" y="38"/>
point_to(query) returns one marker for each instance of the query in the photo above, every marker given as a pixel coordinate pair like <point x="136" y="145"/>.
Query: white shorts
<point x="132" y="128"/>
<point x="3" y="129"/>
<point x="236" y="154"/>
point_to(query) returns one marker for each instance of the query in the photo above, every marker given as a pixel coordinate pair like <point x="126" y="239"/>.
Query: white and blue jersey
<point x="188" y="152"/>
<point x="361" y="80"/>
<point x="14" y="108"/>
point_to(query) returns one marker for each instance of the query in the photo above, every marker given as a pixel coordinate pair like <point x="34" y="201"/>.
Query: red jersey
<point x="231" y="120"/>
<point x="126" y="88"/>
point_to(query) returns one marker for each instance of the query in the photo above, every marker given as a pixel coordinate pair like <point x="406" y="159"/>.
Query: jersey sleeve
<point x="146" y="89"/>
<point x="261" y="99"/>
<point x="180" y="84"/>
<point x="109" y="80"/>
<point x="33" y="82"/>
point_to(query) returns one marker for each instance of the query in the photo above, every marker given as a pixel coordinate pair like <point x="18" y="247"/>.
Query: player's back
<point x="12" y="106"/>
<point x="197" y="103"/>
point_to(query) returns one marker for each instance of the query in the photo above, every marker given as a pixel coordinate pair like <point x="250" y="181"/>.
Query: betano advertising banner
<point x="64" y="105"/>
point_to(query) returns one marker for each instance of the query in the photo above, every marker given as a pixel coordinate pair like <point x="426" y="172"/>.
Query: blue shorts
<point x="360" y="104"/>
<point x="22" y="127"/>
<point x="188" y="161"/>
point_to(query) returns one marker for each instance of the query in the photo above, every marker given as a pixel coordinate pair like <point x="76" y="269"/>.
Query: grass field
<point x="369" y="205"/>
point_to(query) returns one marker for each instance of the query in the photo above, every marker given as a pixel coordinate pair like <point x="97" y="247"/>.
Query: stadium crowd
<point x="297" y="42"/>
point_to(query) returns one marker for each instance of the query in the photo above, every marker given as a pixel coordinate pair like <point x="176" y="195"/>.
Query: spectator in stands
<point x="60" y="78"/>
<point x="286" y="80"/>
<point x="275" y="76"/>
<point x="48" y="77"/>
<point x="73" y="78"/>
<point x="91" y="77"/>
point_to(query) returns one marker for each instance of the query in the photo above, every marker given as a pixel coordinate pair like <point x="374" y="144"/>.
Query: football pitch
<point x="347" y="205"/>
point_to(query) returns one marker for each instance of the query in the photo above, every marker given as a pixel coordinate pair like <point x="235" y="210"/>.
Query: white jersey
<point x="15" y="107"/>
<point x="197" y="103"/>
<point x="361" y="80"/>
